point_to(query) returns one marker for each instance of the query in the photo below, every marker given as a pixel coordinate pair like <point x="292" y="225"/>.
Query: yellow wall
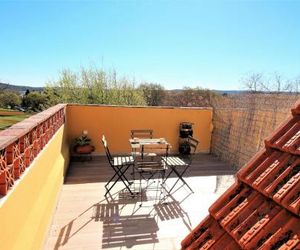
<point x="26" y="212"/>
<point x="116" y="123"/>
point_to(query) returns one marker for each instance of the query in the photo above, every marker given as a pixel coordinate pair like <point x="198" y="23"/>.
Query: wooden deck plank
<point x="84" y="219"/>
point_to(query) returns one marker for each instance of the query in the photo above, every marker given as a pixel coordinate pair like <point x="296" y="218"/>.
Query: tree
<point x="94" y="86"/>
<point x="190" y="97"/>
<point x="35" y="101"/>
<point x="53" y="95"/>
<point x="275" y="83"/>
<point x="9" y="99"/>
<point x="153" y="93"/>
<point x="254" y="82"/>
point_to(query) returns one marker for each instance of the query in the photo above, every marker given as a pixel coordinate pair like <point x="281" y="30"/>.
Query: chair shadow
<point x="64" y="235"/>
<point x="129" y="231"/>
<point x="169" y="210"/>
<point x="121" y="230"/>
<point x="132" y="229"/>
<point x="118" y="230"/>
<point x="125" y="230"/>
<point x="125" y="197"/>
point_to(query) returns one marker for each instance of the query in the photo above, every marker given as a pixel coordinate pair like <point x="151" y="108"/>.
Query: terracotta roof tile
<point x="261" y="210"/>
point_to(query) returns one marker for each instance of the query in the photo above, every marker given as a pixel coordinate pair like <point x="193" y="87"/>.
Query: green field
<point x="7" y="119"/>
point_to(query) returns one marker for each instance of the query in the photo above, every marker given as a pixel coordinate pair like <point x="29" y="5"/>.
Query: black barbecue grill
<point x="185" y="130"/>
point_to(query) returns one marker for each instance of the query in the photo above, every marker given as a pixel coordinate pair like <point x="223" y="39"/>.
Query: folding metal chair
<point x="120" y="165"/>
<point x="141" y="133"/>
<point x="150" y="162"/>
<point x="179" y="165"/>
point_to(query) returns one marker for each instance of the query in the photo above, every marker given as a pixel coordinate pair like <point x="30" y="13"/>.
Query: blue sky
<point x="208" y="44"/>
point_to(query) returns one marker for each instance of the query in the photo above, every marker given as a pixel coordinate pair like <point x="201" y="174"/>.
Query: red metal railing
<point x="21" y="143"/>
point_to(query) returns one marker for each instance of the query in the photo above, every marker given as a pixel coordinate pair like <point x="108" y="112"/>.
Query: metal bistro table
<point x="138" y="146"/>
<point x="137" y="143"/>
<point x="147" y="154"/>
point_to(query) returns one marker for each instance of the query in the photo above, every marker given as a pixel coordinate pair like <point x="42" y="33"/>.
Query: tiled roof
<point x="261" y="210"/>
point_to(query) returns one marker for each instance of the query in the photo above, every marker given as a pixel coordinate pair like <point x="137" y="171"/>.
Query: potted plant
<point x="83" y="145"/>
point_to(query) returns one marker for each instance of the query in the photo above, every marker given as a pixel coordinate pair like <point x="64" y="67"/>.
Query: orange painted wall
<point x="115" y="123"/>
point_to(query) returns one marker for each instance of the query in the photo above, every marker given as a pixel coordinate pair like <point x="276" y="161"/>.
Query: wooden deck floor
<point x="84" y="219"/>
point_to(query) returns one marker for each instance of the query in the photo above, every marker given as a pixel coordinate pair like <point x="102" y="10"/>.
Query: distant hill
<point x="231" y="92"/>
<point x="19" y="88"/>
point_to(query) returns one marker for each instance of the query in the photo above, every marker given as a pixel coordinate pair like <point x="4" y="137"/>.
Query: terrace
<point x="51" y="200"/>
<point x="85" y="219"/>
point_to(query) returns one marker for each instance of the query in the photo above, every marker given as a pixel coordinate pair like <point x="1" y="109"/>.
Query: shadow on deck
<point x="84" y="219"/>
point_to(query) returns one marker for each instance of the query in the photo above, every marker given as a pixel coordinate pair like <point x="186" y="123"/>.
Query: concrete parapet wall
<point x="34" y="155"/>
<point x="115" y="122"/>
<point x="26" y="211"/>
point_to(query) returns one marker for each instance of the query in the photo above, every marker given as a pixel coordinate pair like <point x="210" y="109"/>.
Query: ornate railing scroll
<point x="21" y="143"/>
